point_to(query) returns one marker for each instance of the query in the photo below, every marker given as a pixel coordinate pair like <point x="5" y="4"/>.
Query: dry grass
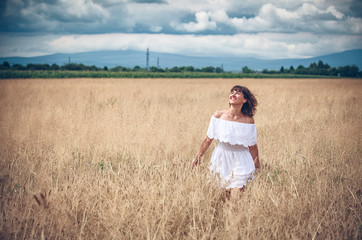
<point x="110" y="159"/>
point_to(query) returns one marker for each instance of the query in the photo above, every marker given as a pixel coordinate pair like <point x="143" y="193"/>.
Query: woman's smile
<point x="235" y="96"/>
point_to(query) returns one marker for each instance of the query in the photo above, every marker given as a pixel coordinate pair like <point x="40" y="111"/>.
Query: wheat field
<point x="110" y="159"/>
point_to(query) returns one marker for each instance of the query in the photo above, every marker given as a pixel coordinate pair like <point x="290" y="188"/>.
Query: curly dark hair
<point x="249" y="107"/>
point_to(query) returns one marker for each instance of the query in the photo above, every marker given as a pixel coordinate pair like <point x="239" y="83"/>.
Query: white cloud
<point x="211" y="16"/>
<point x="306" y="18"/>
<point x="333" y="10"/>
<point x="202" y="23"/>
<point x="307" y="9"/>
<point x="82" y="9"/>
<point x="269" y="12"/>
<point x="219" y="16"/>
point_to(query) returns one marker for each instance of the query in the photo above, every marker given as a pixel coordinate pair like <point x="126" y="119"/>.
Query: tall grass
<point x="110" y="159"/>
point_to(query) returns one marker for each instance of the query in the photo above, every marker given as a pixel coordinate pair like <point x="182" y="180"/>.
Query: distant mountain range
<point x="163" y="60"/>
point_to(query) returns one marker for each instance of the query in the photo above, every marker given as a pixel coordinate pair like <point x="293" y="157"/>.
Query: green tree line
<point x="318" y="69"/>
<point x="82" y="67"/>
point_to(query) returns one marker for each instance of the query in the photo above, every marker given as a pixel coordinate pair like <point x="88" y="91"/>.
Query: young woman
<point x="235" y="158"/>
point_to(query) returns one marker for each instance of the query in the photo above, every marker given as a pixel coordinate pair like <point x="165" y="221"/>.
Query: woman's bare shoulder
<point x="219" y="113"/>
<point x="249" y="120"/>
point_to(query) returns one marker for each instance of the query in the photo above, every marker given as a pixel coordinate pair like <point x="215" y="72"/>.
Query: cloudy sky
<point x="245" y="28"/>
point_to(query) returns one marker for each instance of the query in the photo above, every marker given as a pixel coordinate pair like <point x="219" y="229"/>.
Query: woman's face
<point x="236" y="97"/>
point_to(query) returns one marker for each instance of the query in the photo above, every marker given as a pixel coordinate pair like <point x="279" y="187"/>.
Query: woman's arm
<point x="203" y="147"/>
<point x="255" y="154"/>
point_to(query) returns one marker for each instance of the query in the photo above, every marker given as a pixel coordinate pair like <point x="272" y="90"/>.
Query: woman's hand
<point x="203" y="147"/>
<point x="196" y="161"/>
<point x="255" y="154"/>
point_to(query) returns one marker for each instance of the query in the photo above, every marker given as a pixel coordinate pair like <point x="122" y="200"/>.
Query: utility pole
<point x="148" y="59"/>
<point x="158" y="62"/>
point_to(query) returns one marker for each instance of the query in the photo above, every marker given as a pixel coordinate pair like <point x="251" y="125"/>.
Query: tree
<point x="37" y="67"/>
<point x="219" y="70"/>
<point x="348" y="71"/>
<point x="93" y="68"/>
<point x="282" y="69"/>
<point x="175" y="69"/>
<point x="73" y="67"/>
<point x="153" y="69"/>
<point x="246" y="70"/>
<point x="18" y="67"/>
<point x="301" y="70"/>
<point x="333" y="71"/>
<point x="313" y="66"/>
<point x="54" y="67"/>
<point x="208" y="69"/>
<point x="300" y="67"/>
<point x="5" y="66"/>
<point x="189" y="69"/>
<point x="320" y="64"/>
<point x="136" y="68"/>
<point x="182" y="68"/>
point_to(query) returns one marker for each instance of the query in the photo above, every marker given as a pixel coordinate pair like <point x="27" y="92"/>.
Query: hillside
<point x="134" y="58"/>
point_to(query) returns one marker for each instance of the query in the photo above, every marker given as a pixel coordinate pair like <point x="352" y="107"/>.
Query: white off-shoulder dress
<point x="231" y="160"/>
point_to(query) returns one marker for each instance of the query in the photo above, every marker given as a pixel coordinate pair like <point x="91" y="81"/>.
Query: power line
<point x="148" y="59"/>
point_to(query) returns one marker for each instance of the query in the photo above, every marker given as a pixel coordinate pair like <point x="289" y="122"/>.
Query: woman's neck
<point x="235" y="111"/>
